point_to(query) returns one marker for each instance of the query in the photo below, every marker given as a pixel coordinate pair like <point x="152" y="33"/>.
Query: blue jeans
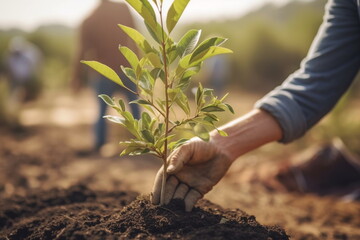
<point x="103" y="85"/>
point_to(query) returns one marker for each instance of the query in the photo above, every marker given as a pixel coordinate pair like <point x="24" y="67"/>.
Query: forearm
<point x="247" y="133"/>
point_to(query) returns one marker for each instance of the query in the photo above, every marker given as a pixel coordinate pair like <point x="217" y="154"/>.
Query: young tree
<point x="173" y="64"/>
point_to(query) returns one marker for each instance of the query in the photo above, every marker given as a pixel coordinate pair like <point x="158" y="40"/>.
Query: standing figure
<point x="99" y="40"/>
<point x="22" y="62"/>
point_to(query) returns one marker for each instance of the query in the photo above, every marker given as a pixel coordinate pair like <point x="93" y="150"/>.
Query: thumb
<point x="179" y="158"/>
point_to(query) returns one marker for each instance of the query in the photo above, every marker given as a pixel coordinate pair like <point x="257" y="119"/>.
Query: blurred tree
<point x="269" y="43"/>
<point x="58" y="46"/>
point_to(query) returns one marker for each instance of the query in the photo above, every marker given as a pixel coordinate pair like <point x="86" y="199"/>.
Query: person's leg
<point x="15" y="100"/>
<point x="102" y="86"/>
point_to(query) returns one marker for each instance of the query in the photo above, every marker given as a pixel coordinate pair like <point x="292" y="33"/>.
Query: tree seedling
<point x="171" y="65"/>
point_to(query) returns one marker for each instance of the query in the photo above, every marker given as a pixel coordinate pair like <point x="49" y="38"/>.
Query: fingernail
<point x="170" y="168"/>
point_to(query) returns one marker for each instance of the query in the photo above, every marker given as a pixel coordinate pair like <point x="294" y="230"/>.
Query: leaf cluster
<point x="172" y="64"/>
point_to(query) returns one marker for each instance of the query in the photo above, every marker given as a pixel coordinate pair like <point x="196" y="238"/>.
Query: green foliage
<point x="154" y="134"/>
<point x="105" y="71"/>
<point x="171" y="64"/>
<point x="175" y="12"/>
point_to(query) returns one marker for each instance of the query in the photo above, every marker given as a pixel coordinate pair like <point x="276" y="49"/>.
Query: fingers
<point x="190" y="196"/>
<point x="181" y="191"/>
<point x="178" y="158"/>
<point x="170" y="188"/>
<point x="174" y="190"/>
<point x="156" y="192"/>
<point x="191" y="199"/>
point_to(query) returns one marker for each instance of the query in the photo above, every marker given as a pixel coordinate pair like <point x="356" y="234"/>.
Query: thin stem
<point x="133" y="92"/>
<point x="167" y="109"/>
<point x="157" y="109"/>
<point x="182" y="122"/>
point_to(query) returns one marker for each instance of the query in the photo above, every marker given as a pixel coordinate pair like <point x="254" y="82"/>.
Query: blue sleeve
<point x="325" y="74"/>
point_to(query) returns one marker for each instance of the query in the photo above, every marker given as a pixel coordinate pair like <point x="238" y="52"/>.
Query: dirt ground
<point x="50" y="154"/>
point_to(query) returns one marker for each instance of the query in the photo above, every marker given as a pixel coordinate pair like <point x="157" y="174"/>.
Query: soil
<point x="79" y="213"/>
<point x="52" y="188"/>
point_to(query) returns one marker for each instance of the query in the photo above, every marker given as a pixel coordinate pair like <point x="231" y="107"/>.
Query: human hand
<point x="194" y="168"/>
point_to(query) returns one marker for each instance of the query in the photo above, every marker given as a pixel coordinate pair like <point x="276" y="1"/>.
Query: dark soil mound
<point x="80" y="213"/>
<point x="207" y="221"/>
<point x="74" y="213"/>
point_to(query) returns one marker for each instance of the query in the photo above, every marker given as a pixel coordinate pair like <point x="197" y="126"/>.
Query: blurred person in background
<point x="22" y="63"/>
<point x="99" y="39"/>
<point x="284" y="115"/>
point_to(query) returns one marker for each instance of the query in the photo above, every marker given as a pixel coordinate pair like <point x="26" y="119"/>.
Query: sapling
<point x="169" y="64"/>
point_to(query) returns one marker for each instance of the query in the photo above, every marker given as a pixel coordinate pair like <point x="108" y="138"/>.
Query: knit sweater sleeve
<point x="324" y="76"/>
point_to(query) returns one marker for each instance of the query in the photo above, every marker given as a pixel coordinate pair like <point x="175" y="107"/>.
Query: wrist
<point x="247" y="133"/>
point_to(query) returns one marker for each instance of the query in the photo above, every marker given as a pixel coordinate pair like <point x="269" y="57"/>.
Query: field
<point x="51" y="188"/>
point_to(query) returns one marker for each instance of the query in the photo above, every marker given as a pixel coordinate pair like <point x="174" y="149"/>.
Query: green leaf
<point x="178" y="143"/>
<point x="204" y="122"/>
<point x="131" y="124"/>
<point x="188" y="42"/>
<point x="160" y="142"/>
<point x="128" y="150"/>
<point x="185" y="79"/>
<point x="147" y="135"/>
<point x="212" y="51"/>
<point x="211" y="117"/>
<point x="146" y="104"/>
<point x="208" y="92"/>
<point x="186" y="76"/>
<point x="171" y="53"/>
<point x="144" y="8"/>
<point x="130" y="73"/>
<point x="155" y="35"/>
<point x="141" y="102"/>
<point x="222" y="133"/>
<point x="212" y="109"/>
<point x="183" y="102"/>
<point x="154" y="59"/>
<point x="122" y="104"/>
<point x="159" y="130"/>
<point x="155" y="73"/>
<point x="146" y="119"/>
<point x="161" y="104"/>
<point x="146" y="82"/>
<point x="176" y="10"/>
<point x="224" y="97"/>
<point x="230" y="108"/>
<point x="134" y="147"/>
<point x="132" y="151"/>
<point x="129" y="117"/>
<point x="130" y="56"/>
<point x="173" y="93"/>
<point x="139" y="69"/>
<point x="199" y="96"/>
<point x="209" y="120"/>
<point x="108" y="100"/>
<point x="184" y="63"/>
<point x="205" y="45"/>
<point x="138" y="38"/>
<point x="115" y="119"/>
<point x="202" y="132"/>
<point x="105" y="71"/>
